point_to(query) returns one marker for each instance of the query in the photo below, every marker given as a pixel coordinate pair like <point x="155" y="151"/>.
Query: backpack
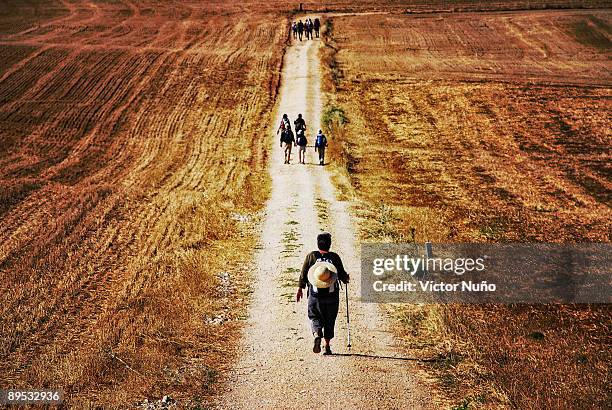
<point x="287" y="136"/>
<point x="301" y="139"/>
<point x="321" y="141"/>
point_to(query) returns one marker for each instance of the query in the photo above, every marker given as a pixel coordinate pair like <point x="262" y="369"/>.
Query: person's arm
<point x="303" y="280"/>
<point x="342" y="274"/>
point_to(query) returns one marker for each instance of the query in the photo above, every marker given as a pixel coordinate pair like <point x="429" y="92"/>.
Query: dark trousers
<point x="322" y="313"/>
<point x="321" y="151"/>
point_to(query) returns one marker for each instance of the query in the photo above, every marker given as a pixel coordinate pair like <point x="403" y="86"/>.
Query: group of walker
<point x="322" y="271"/>
<point x="288" y="139"/>
<point x="309" y="27"/>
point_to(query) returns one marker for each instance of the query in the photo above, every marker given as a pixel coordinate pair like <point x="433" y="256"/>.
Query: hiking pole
<point x="348" y="322"/>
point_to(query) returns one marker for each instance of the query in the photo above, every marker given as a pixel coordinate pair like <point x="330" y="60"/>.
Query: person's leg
<point x="329" y="311"/>
<point x="316" y="324"/>
<point x="322" y="155"/>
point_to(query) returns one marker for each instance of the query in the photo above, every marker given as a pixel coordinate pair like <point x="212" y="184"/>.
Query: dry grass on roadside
<point x="459" y="153"/>
<point x="129" y="192"/>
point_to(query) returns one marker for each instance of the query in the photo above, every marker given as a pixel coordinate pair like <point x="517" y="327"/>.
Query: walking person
<point x="301" y="141"/>
<point x="311" y="28"/>
<point x="320" y="145"/>
<point x="307" y="28"/>
<point x="320" y="273"/>
<point x="286" y="136"/>
<point x="300" y="29"/>
<point x="294" y="30"/>
<point x="317" y="26"/>
<point x="287" y="139"/>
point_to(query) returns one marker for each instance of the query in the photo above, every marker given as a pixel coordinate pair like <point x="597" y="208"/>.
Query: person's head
<point x="320" y="131"/>
<point x="324" y="241"/>
<point x="285" y="116"/>
<point x="299" y="115"/>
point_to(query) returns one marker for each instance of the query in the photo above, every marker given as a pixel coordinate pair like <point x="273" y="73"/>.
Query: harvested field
<point x="442" y="6"/>
<point x="128" y="189"/>
<point x="483" y="127"/>
<point x="133" y="166"/>
<point x="565" y="47"/>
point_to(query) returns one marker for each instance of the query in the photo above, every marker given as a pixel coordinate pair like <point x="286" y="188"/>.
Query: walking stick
<point x="348" y="322"/>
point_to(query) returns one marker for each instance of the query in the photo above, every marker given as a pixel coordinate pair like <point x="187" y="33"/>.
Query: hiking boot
<point x="327" y="351"/>
<point x="317" y="345"/>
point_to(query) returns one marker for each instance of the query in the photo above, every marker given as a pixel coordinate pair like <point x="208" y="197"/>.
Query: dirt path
<point x="277" y="368"/>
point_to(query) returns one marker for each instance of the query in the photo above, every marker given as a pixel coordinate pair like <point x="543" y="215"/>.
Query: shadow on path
<point x="413" y="359"/>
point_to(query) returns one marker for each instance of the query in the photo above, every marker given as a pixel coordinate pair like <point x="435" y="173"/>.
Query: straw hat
<point x="322" y="275"/>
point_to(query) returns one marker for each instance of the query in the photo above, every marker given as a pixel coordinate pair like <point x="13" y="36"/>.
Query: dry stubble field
<point x="130" y="143"/>
<point x="130" y="138"/>
<point x="484" y="127"/>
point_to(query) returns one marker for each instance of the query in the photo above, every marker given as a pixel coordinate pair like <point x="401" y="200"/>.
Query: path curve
<point x="277" y="369"/>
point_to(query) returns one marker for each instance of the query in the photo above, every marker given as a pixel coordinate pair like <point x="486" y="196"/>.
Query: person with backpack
<point x="299" y="123"/>
<point x="317" y="26"/>
<point x="300" y="29"/>
<point x="286" y="136"/>
<point x="308" y="29"/>
<point x="321" y="272"/>
<point x="288" y="139"/>
<point x="301" y="141"/>
<point x="320" y="145"/>
<point x="294" y="30"/>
